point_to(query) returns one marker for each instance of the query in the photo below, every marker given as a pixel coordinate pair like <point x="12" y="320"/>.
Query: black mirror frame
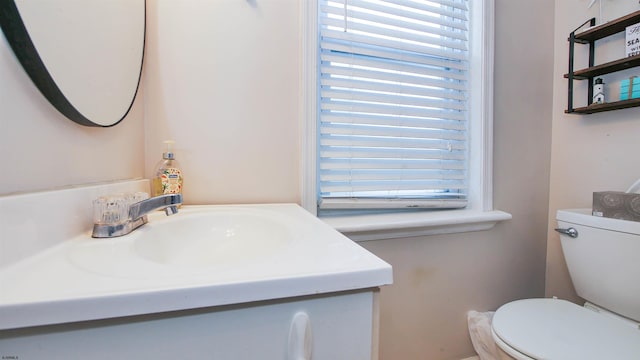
<point x="19" y="40"/>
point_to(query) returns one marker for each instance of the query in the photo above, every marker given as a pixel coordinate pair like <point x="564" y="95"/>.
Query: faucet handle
<point x="114" y="209"/>
<point x="136" y="197"/>
<point x="110" y="210"/>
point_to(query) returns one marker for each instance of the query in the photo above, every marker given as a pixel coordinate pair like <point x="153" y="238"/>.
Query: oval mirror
<point x="85" y="56"/>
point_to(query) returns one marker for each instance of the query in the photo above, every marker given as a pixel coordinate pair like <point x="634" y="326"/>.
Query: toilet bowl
<point x="601" y="255"/>
<point x="558" y="329"/>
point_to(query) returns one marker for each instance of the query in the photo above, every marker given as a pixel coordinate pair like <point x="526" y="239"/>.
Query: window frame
<point x="479" y="215"/>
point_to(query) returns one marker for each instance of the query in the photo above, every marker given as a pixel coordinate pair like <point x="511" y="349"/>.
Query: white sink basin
<point x="214" y="238"/>
<point x="196" y="240"/>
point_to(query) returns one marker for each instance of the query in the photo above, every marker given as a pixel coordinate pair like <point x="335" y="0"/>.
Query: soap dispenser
<point x="168" y="174"/>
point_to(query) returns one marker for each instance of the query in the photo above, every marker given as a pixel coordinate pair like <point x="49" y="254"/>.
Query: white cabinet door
<point x="341" y="328"/>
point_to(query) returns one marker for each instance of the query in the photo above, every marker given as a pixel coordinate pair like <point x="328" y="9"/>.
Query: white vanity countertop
<point x="88" y="279"/>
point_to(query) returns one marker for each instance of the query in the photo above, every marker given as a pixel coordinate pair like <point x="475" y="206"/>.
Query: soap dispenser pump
<point x="168" y="174"/>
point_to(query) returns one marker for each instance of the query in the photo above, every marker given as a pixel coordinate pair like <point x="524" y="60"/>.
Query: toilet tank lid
<point x="558" y="329"/>
<point x="584" y="217"/>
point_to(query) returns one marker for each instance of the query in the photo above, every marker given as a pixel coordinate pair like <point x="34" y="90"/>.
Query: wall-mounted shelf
<point x="614" y="105"/>
<point x="607" y="29"/>
<point x="589" y="37"/>
<point x="613" y="66"/>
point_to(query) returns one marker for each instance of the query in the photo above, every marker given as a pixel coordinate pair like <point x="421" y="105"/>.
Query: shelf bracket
<point x="570" y="75"/>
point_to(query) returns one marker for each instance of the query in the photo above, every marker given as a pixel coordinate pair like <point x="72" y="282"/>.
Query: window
<point x="393" y="104"/>
<point x="398" y="105"/>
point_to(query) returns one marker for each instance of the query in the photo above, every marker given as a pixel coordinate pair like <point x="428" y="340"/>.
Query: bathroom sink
<point x="195" y="240"/>
<point x="203" y="256"/>
<point x="213" y="238"/>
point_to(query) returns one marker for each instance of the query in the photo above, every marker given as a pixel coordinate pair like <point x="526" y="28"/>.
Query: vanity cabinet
<point x="589" y="38"/>
<point x="343" y="326"/>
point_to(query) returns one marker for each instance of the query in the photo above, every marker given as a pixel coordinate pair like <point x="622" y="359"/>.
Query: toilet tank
<point x="603" y="260"/>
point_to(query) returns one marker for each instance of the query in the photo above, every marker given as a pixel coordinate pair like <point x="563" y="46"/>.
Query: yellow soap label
<point x="171" y="181"/>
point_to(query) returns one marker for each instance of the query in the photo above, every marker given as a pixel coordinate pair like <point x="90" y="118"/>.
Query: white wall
<point x="223" y="80"/>
<point x="41" y="149"/>
<point x="590" y="152"/>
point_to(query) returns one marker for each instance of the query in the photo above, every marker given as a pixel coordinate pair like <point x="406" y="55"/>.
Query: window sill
<point x="390" y="226"/>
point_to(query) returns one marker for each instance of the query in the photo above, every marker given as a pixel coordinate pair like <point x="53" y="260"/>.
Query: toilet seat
<point x="557" y="329"/>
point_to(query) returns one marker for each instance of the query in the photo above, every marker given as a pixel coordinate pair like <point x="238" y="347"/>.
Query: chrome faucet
<point x="137" y="216"/>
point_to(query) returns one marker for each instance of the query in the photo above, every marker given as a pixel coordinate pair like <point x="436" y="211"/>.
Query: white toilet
<point x="603" y="257"/>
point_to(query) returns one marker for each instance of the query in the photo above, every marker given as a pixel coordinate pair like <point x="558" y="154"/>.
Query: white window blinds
<point x="393" y="104"/>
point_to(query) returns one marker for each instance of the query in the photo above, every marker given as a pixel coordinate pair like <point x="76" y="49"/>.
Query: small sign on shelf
<point x="633" y="40"/>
